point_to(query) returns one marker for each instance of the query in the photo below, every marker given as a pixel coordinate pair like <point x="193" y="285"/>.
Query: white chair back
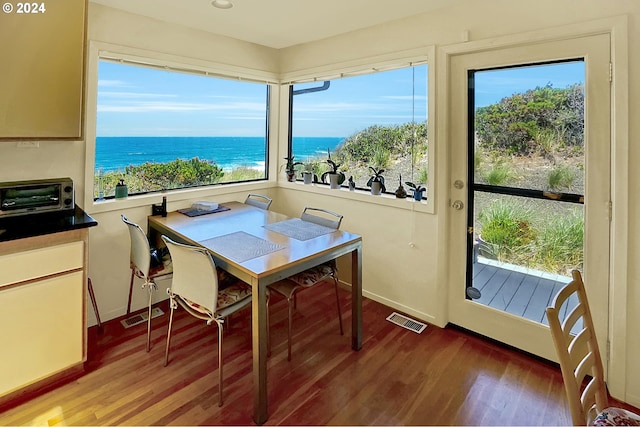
<point x="140" y="248"/>
<point x="259" y="201"/>
<point x="322" y="217"/>
<point x="194" y="274"/>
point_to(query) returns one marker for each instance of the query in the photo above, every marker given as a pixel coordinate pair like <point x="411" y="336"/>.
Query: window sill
<point x="190" y="194"/>
<point x="389" y="200"/>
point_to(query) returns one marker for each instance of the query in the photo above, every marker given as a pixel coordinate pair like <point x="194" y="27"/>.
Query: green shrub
<point x="381" y="158"/>
<point x="559" y="247"/>
<point x="398" y="140"/>
<point x="161" y="176"/>
<point x="177" y="174"/>
<point x="423" y="176"/>
<point x="506" y="227"/>
<point x="561" y="176"/>
<point x="242" y="173"/>
<point x="547" y="142"/>
<point x="515" y="234"/>
<point x="516" y="122"/>
<point x="499" y="173"/>
<point x="478" y="158"/>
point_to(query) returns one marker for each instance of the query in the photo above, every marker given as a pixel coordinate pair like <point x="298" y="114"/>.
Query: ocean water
<point x="116" y="153"/>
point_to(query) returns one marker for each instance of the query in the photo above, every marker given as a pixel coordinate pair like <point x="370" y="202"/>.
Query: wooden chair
<point x="258" y="200"/>
<point x="195" y="288"/>
<point x="140" y="264"/>
<point x="577" y="348"/>
<point x="290" y="286"/>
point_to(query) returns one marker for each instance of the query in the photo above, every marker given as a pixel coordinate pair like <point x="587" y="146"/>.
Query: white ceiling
<point x="279" y="23"/>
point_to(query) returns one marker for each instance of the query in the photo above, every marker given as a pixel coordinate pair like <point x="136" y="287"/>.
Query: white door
<point x="515" y="330"/>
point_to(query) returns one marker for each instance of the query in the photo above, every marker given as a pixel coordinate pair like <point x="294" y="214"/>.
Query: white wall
<point x="388" y="228"/>
<point x="399" y="261"/>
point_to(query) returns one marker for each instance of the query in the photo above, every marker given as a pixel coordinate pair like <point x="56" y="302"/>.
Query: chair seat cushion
<point x="226" y="297"/>
<point x="616" y="417"/>
<point x="314" y="275"/>
<point x="233" y="293"/>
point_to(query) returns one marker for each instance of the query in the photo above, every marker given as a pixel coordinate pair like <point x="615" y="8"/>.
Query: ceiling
<point x="279" y="23"/>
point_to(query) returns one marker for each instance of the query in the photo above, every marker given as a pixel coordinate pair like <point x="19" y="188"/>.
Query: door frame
<point x="617" y="28"/>
<point x="522" y="333"/>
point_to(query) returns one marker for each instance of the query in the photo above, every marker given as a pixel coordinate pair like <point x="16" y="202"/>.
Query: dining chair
<point x="195" y="288"/>
<point x="258" y="200"/>
<point x="290" y="286"/>
<point x="140" y="263"/>
<point x="577" y="349"/>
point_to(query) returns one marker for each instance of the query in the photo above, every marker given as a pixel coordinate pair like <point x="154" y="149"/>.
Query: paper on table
<point x="204" y="206"/>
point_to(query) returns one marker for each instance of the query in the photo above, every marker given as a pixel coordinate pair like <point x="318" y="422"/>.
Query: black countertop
<point x="19" y="227"/>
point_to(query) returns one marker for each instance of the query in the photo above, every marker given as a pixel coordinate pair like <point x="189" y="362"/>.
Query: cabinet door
<point x="41" y="329"/>
<point x="42" y="69"/>
<point x="36" y="263"/>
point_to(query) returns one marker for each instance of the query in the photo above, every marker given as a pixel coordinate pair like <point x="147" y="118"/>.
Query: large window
<point x="160" y="129"/>
<point x="376" y="120"/>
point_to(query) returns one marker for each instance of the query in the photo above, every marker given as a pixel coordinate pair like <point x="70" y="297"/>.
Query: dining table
<point x="261" y="247"/>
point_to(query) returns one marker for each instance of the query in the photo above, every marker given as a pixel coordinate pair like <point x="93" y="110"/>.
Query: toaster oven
<point x="36" y="196"/>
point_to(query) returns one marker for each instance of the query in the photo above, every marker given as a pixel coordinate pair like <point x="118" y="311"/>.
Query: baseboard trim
<point x="26" y="393"/>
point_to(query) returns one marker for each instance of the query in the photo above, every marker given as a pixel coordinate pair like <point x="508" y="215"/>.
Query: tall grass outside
<point x="536" y="235"/>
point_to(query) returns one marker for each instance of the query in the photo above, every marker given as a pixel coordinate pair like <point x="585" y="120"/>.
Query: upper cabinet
<point x="42" y="57"/>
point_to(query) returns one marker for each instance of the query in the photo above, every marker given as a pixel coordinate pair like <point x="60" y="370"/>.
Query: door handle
<point x="457" y="205"/>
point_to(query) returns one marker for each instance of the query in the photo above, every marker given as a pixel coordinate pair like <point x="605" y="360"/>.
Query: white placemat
<point x="241" y="246"/>
<point x="299" y="229"/>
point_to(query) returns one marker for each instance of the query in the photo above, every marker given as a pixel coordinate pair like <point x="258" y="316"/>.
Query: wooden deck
<point x="516" y="290"/>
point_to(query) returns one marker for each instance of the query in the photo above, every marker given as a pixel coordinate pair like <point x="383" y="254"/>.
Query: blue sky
<point x="137" y="101"/>
<point x="355" y="103"/>
<point x="492" y="86"/>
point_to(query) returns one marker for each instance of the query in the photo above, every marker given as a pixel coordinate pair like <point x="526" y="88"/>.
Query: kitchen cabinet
<point x="43" y="323"/>
<point x="42" y="63"/>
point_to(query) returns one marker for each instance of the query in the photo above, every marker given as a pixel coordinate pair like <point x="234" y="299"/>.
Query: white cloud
<point x="164" y="106"/>
<point x="111" y="83"/>
<point x="336" y="107"/>
<point x="406" y="97"/>
<point x="134" y="95"/>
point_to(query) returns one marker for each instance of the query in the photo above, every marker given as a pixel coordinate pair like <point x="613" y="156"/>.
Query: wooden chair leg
<point x="92" y="295"/>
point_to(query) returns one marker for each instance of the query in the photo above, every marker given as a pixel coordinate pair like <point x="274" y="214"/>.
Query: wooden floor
<point x="440" y="377"/>
<point x="522" y="293"/>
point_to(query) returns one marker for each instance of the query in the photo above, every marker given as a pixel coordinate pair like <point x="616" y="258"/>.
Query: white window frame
<point x="363" y="66"/>
<point x="101" y="50"/>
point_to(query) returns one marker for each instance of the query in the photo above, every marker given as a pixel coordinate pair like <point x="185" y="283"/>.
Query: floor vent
<point x="141" y="318"/>
<point x="407" y="323"/>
